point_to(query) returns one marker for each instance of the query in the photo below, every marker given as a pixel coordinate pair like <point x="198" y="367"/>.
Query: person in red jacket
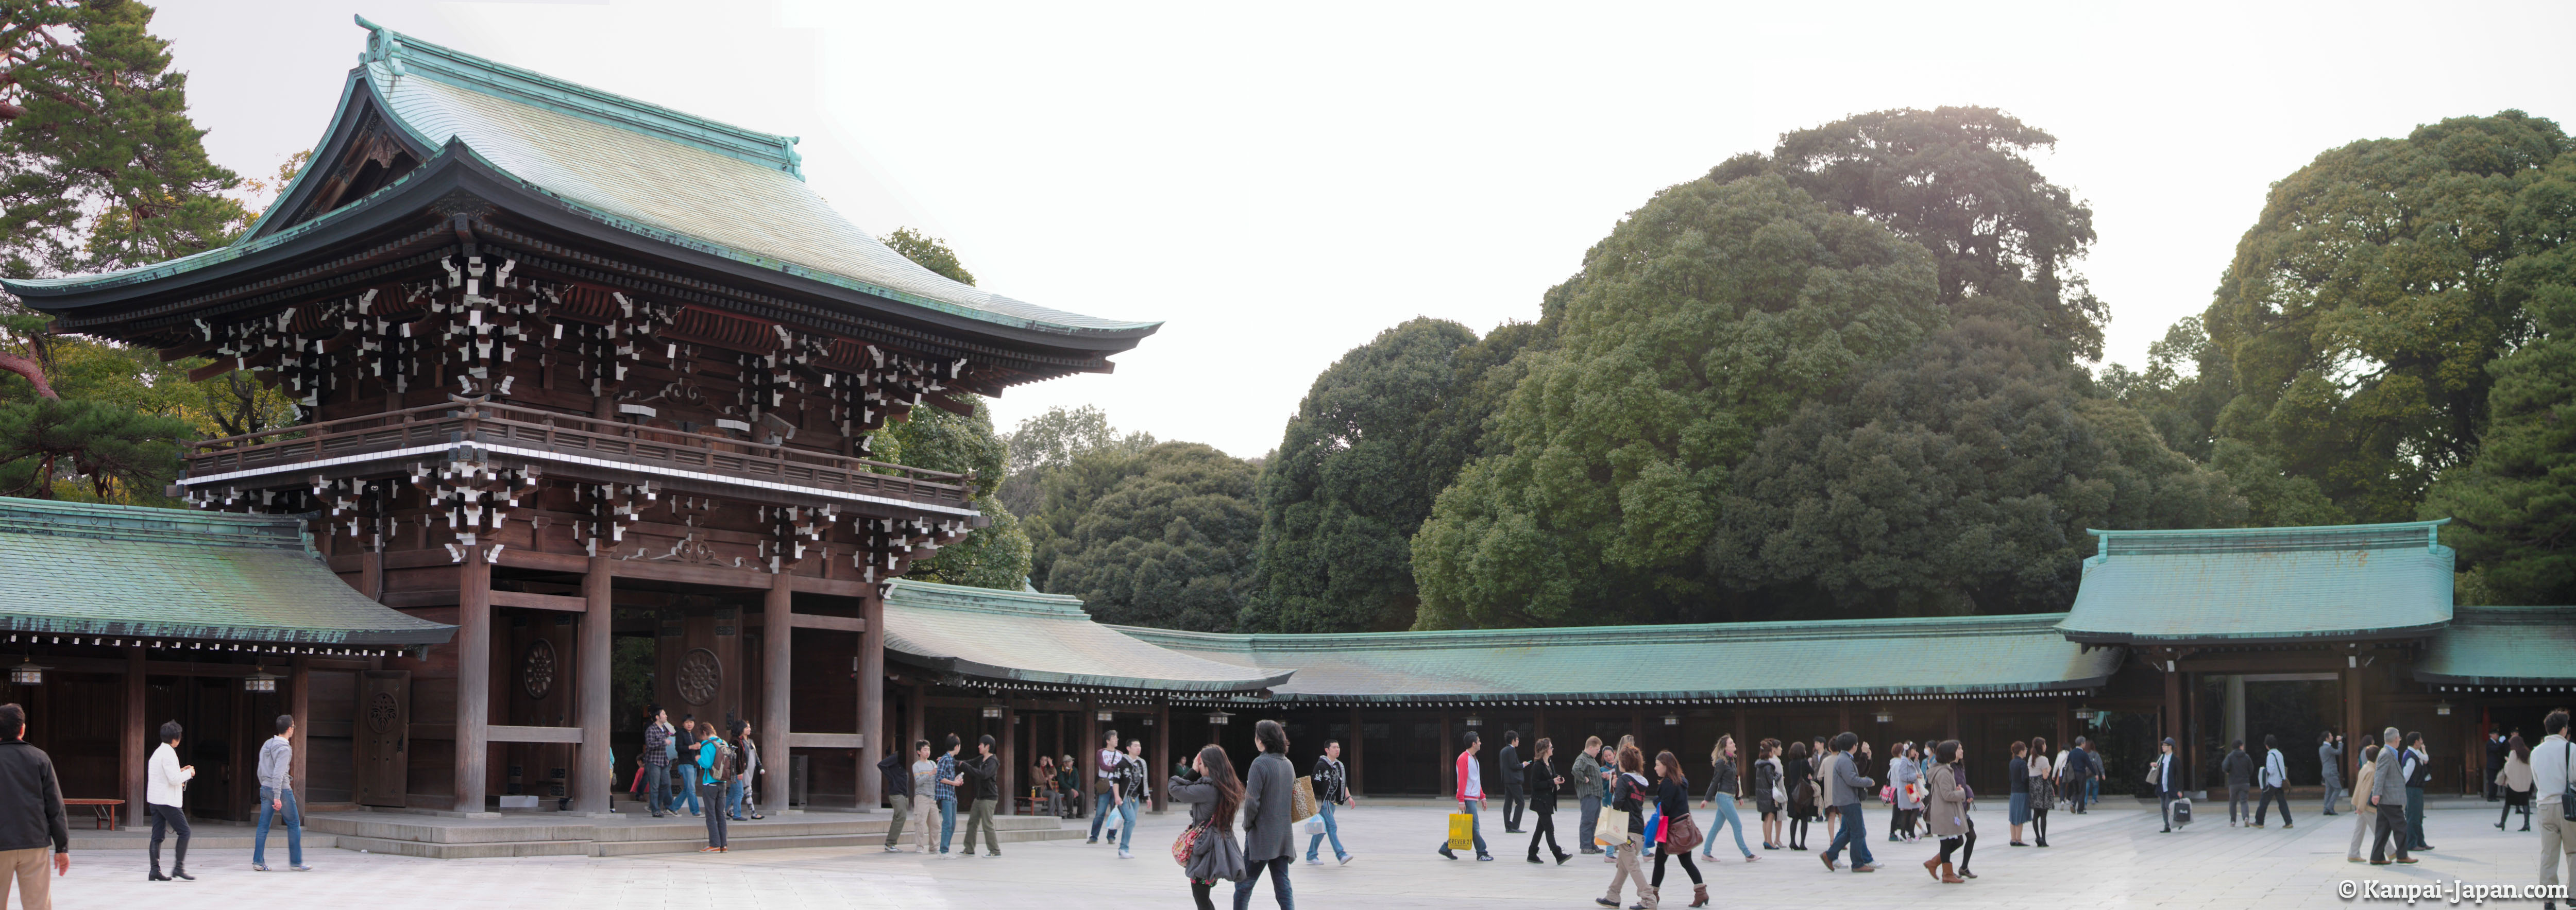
<point x="1471" y="800"/>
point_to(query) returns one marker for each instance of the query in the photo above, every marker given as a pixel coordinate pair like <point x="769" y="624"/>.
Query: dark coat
<point x="897" y="772"/>
<point x="31" y="800"/>
<point x="1268" y="794"/>
<point x="1541" y="783"/>
<point x="984" y="774"/>
<point x="1217" y="854"/>
<point x="1511" y="767"/>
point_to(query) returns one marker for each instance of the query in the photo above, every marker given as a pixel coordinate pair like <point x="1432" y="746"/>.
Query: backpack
<point x="720" y="768"/>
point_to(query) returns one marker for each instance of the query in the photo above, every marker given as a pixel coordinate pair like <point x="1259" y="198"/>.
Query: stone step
<point x="778" y="842"/>
<point x="448" y="838"/>
<point x="206" y="838"/>
<point x="467" y="850"/>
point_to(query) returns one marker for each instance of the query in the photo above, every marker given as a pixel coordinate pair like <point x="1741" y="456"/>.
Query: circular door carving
<point x="700" y="674"/>
<point x="381" y="712"/>
<point x="537" y="668"/>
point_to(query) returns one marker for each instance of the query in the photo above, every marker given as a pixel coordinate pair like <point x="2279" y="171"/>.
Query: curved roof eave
<point x="965" y="667"/>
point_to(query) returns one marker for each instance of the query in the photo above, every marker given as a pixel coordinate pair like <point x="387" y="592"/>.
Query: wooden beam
<point x="509" y="734"/>
<point x="835" y="587"/>
<point x="299" y="702"/>
<point x="593" y="776"/>
<point x="1010" y="757"/>
<point x="132" y="748"/>
<point x="565" y="563"/>
<point x="825" y="741"/>
<point x="830" y="623"/>
<point x="473" y="645"/>
<point x="778" y="632"/>
<point x="871" y="669"/>
<point x="525" y="600"/>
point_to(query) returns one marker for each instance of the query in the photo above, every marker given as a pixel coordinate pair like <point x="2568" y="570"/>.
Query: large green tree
<point x="993" y="556"/>
<point x="2364" y="305"/>
<point x="1162" y="537"/>
<point x="1959" y="181"/>
<point x="1959" y="480"/>
<point x="2513" y="506"/>
<point x="1707" y="315"/>
<point x="1354" y="476"/>
<point x="930" y="253"/>
<point x="1052" y="440"/>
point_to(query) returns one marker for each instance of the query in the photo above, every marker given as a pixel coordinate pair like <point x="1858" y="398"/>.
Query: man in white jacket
<point x="2551" y="775"/>
<point x="2275" y="775"/>
<point x="165" y="796"/>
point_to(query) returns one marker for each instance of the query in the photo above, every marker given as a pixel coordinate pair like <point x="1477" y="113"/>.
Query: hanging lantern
<point x="2084" y="713"/>
<point x="28" y="673"/>
<point x="260" y="680"/>
<point x="1886" y="716"/>
<point x="2444" y="708"/>
<point x="1149" y="721"/>
<point x="1104" y="716"/>
<point x="992" y="712"/>
<point x="1672" y="719"/>
<point x="1218" y="717"/>
<point x="1473" y="721"/>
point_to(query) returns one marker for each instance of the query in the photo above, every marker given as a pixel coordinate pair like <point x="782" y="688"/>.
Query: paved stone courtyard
<point x="2112" y="857"/>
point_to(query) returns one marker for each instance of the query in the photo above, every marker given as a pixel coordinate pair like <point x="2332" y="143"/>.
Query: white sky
<point x="1279" y="184"/>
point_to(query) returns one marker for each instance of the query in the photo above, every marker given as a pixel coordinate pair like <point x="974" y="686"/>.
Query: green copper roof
<point x="650" y="170"/>
<point x="1983" y="655"/>
<point x="1042" y="639"/>
<point x="2488" y="646"/>
<point x="86" y="569"/>
<point x="2263" y="584"/>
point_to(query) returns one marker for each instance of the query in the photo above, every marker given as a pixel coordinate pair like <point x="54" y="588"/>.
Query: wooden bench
<point x="103" y="810"/>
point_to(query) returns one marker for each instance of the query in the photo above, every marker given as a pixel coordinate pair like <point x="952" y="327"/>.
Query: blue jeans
<point x="1725" y="816"/>
<point x="1331" y="830"/>
<point x="686" y="793"/>
<point x="1850" y="833"/>
<point x="292" y="816"/>
<point x="1127" y="822"/>
<point x="947" y="820"/>
<point x="2092" y="790"/>
<point x="1475" y="825"/>
<point x="1278" y="884"/>
<point x="657" y="788"/>
<point x="1101" y="805"/>
<point x="733" y="798"/>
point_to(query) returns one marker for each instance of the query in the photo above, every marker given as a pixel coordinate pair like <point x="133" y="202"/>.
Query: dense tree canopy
<point x="2365" y="303"/>
<point x="1706" y="316"/>
<point x="930" y="253"/>
<point x="993" y="556"/>
<point x="1354" y="476"/>
<point x="1052" y="440"/>
<point x="1162" y="537"/>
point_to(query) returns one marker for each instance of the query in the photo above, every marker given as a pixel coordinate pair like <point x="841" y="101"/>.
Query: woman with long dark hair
<point x="1213" y="798"/>
<point x="2043" y="789"/>
<point x="1672" y="808"/>
<point x="1945" y="805"/>
<point x="1540" y="781"/>
<point x="1628" y="793"/>
<point x="1802" y="795"/>
<point x="2515" y="780"/>
<point x="1767" y="791"/>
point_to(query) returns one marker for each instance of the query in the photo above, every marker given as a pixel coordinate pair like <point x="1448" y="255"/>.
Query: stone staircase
<point x="553" y="834"/>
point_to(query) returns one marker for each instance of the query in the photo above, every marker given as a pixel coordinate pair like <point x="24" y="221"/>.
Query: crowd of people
<point x="713" y="774"/>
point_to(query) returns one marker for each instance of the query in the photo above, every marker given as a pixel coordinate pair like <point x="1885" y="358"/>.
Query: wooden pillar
<point x="913" y="708"/>
<point x="371" y="575"/>
<point x="1842" y="720"/>
<point x="299" y="702"/>
<point x="593" y="778"/>
<point x="777" y="633"/>
<point x="1162" y="751"/>
<point x="1743" y="754"/>
<point x="134" y="747"/>
<point x="872" y="747"/>
<point x="1954" y="720"/>
<point x="1538" y="726"/>
<point x="1637" y="728"/>
<point x="473" y="679"/>
<point x="1448" y="767"/>
<point x="1090" y="739"/>
<point x="1010" y="758"/>
<point x="1352" y="747"/>
<point x="2352" y="723"/>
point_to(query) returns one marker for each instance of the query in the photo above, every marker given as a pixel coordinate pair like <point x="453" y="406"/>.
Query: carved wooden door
<point x="383" y="740"/>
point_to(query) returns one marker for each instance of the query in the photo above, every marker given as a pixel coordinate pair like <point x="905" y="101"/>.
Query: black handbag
<point x="2567" y="787"/>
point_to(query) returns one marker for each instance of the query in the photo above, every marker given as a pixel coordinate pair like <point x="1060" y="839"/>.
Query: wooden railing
<point x="459" y="422"/>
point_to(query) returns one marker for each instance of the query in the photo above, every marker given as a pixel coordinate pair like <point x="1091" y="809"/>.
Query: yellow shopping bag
<point x="1462" y="831"/>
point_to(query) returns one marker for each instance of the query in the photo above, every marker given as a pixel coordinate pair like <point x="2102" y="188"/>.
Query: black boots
<point x="156" y="875"/>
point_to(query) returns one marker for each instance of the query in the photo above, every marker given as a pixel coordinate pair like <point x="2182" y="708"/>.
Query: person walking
<point x="1332" y="790"/>
<point x="1628" y="793"/>
<point x="895" y="775"/>
<point x="1268" y="802"/>
<point x="1767" y="795"/>
<point x="945" y="780"/>
<point x="2388" y="799"/>
<point x="712" y="768"/>
<point x="1541" y="782"/>
<point x="2553" y="774"/>
<point x="2017" y="783"/>
<point x="1104" y="775"/>
<point x="1132" y="774"/>
<point x="2239" y="768"/>
<point x="983" y="775"/>
<point x="1672" y="816"/>
<point x="2043" y="790"/>
<point x="1801" y="775"/>
<point x="1471" y="801"/>
<point x="739" y="799"/>
<point x="658" y="751"/>
<point x="1213" y="794"/>
<point x="1945" y="806"/>
<point x="1844" y="789"/>
<point x="165" y="791"/>
<point x="1722" y="784"/>
<point x="2077" y="772"/>
<point x="2275" y="777"/>
<point x="1903" y="777"/>
<point x="1587" y="792"/>
<point x="2093" y="781"/>
<point x="2330" y="758"/>
<point x="2497" y="750"/>
<point x="1514" y="800"/>
<point x="2363" y="819"/>
<point x="2418" y="763"/>
<point x="32" y="817"/>
<point x="2515" y="781"/>
<point x="2166" y="781"/>
<point x="277" y="799"/>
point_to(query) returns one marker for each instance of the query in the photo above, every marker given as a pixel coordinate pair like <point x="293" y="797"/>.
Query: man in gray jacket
<point x="2388" y="798"/>
<point x="1844" y="788"/>
<point x="277" y="798"/>
<point x="1268" y="799"/>
<point x="1587" y="790"/>
<point x="34" y="827"/>
<point x="2330" y="757"/>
